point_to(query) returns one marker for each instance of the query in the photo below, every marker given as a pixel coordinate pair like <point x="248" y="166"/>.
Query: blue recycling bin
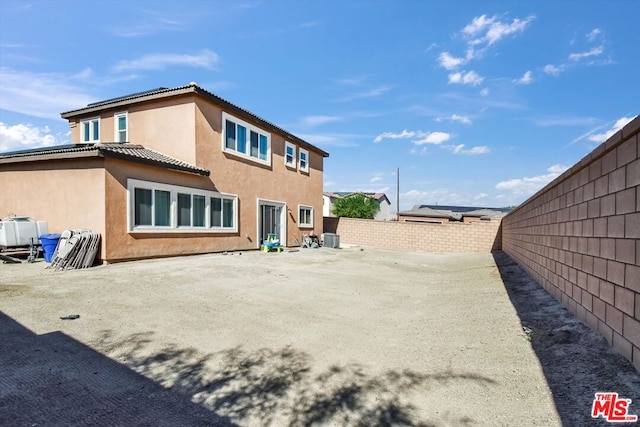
<point x="49" y="244"/>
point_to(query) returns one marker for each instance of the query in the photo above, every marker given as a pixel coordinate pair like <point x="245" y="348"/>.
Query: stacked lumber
<point x="76" y="249"/>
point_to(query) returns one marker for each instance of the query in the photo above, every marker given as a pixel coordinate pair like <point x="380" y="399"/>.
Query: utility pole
<point x="397" y="192"/>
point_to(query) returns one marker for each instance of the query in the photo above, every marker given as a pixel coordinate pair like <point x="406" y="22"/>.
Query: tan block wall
<point x="479" y="236"/>
<point x="579" y="237"/>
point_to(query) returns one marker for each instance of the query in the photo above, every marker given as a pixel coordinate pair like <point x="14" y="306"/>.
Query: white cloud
<point x="484" y="30"/>
<point x="377" y="176"/>
<point x="473" y="151"/>
<point x="460" y="119"/>
<point x="24" y="135"/>
<point x="619" y="124"/>
<point x="553" y="70"/>
<point x="352" y="81"/>
<point x="311" y="121"/>
<point x="484" y="92"/>
<point x="526" y="79"/>
<point x="43" y="95"/>
<point x="309" y="24"/>
<point x="450" y="62"/>
<point x="529" y="185"/>
<point x="152" y="23"/>
<point x="593" y="34"/>
<point x="478" y="24"/>
<point x="440" y="196"/>
<point x="480" y="196"/>
<point x="372" y="93"/>
<point x="331" y="140"/>
<point x="390" y="135"/>
<point x="433" y="138"/>
<point x="470" y="78"/>
<point x="596" y="51"/>
<point x="418" y="137"/>
<point x="159" y="61"/>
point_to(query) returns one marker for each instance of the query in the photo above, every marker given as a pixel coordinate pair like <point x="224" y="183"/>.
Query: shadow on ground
<point x="54" y="380"/>
<point x="279" y="387"/>
<point x="577" y="362"/>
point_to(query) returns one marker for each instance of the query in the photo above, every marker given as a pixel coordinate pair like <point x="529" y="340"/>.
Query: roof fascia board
<point x="51" y="156"/>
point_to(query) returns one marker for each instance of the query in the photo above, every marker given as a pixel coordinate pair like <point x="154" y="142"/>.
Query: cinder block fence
<point x="579" y="237"/>
<point x="477" y="236"/>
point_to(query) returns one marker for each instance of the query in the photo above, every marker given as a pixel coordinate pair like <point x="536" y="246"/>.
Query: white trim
<point x="91" y="121"/>
<point x="116" y="130"/>
<point x="305" y="225"/>
<point x="132" y="184"/>
<point x="249" y="127"/>
<point x="306" y="166"/>
<point x="283" y="219"/>
<point x="292" y="163"/>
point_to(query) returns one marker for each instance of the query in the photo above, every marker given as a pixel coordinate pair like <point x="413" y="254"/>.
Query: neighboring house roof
<point x="164" y="92"/>
<point x="125" y="151"/>
<point x="454" y="212"/>
<point x="462" y="209"/>
<point x="340" y="194"/>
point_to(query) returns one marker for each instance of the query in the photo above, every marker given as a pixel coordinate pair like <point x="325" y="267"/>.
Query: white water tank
<point x="20" y="230"/>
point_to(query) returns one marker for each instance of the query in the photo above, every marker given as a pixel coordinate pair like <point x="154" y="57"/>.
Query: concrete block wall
<point x="478" y="236"/>
<point x="579" y="237"/>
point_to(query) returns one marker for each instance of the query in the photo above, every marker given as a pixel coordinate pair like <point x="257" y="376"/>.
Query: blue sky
<point x="478" y="103"/>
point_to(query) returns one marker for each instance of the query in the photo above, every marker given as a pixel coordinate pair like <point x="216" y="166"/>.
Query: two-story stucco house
<point x="169" y="172"/>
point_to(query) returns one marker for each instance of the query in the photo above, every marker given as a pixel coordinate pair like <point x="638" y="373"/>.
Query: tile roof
<point x="190" y="88"/>
<point x="125" y="151"/>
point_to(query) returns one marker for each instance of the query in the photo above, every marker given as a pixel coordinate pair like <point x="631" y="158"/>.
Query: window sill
<point x="244" y="156"/>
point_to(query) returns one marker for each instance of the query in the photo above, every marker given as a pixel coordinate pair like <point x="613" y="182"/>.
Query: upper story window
<point x="244" y="139"/>
<point x="121" y="130"/>
<point x="303" y="162"/>
<point x="289" y="154"/>
<point x="90" y="130"/>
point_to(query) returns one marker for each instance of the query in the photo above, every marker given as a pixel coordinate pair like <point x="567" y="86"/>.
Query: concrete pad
<point x="356" y="336"/>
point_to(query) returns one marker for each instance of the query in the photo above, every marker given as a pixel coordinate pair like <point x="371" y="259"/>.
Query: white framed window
<point x="289" y="154"/>
<point x="154" y="207"/>
<point x="305" y="216"/>
<point x="121" y="127"/>
<point x="303" y="160"/>
<point x="243" y="139"/>
<point x="90" y="130"/>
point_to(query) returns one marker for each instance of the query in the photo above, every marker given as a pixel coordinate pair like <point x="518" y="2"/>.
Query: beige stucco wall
<point x="123" y="245"/>
<point x="188" y="127"/>
<point x="66" y="194"/>
<point x="166" y="125"/>
<point x="251" y="180"/>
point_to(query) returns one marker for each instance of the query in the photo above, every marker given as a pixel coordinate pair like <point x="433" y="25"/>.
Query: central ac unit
<point x="331" y="240"/>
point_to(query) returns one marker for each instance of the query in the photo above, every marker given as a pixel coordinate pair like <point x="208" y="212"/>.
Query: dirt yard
<point x="355" y="336"/>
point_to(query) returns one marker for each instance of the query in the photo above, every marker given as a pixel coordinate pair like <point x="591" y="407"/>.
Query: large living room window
<point x="243" y="139"/>
<point x="155" y="207"/>
<point x="90" y="130"/>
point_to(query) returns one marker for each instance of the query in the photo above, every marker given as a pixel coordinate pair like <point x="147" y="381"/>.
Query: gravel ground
<point x="357" y="336"/>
